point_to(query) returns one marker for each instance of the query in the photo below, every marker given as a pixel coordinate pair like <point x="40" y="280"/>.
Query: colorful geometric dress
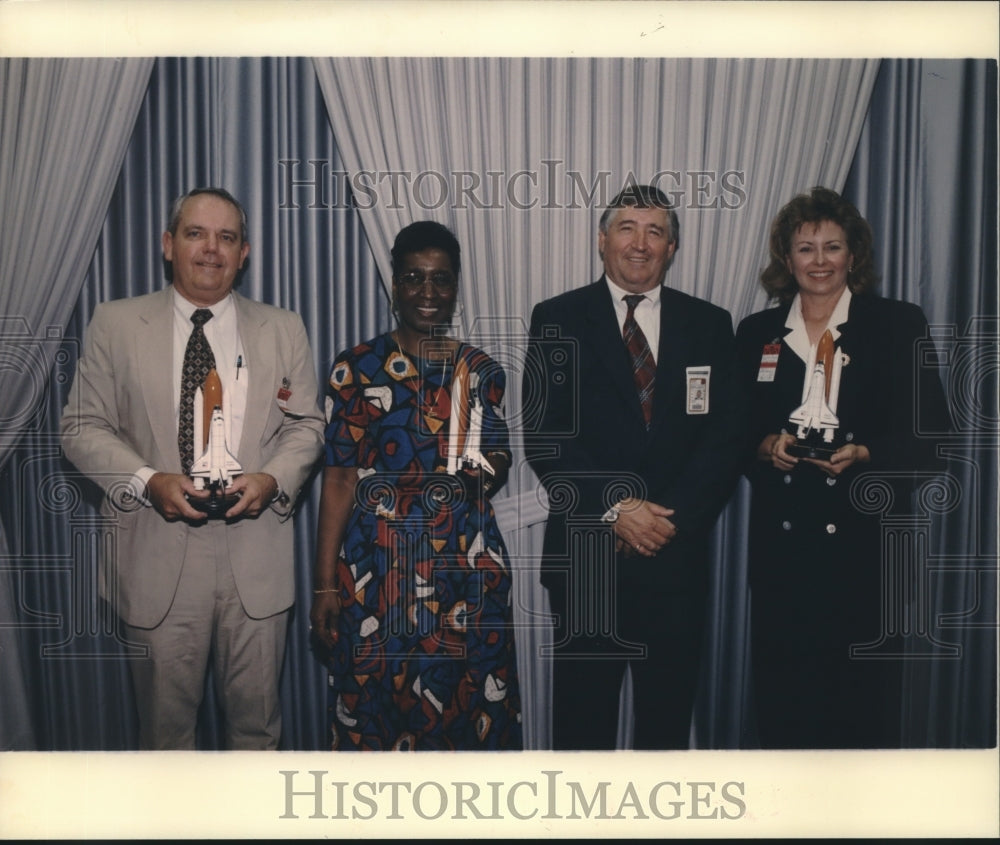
<point x="425" y="652"/>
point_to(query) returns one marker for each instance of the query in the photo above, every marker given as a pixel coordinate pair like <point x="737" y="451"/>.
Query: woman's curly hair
<point x="817" y="206"/>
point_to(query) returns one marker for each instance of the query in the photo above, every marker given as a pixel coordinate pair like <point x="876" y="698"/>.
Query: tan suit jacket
<point x="120" y="417"/>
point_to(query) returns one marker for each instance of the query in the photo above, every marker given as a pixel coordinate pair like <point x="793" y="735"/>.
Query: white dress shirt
<point x="222" y="334"/>
<point x="647" y="313"/>
<point x="798" y="338"/>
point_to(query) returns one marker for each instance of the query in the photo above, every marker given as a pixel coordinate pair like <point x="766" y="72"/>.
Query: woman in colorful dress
<point x="825" y="668"/>
<point x="412" y="588"/>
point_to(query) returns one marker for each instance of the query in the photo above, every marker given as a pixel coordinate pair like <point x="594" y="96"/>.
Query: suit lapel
<point x="153" y="351"/>
<point x="856" y="327"/>
<point x="670" y="379"/>
<point x="261" y="355"/>
<point x="855" y="340"/>
<point x="789" y="376"/>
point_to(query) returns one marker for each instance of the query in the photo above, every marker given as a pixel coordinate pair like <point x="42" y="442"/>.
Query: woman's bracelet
<point x="327" y="590"/>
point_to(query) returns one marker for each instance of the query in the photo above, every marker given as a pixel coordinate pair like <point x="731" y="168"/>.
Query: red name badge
<point x="283" y="394"/>
<point x="768" y="362"/>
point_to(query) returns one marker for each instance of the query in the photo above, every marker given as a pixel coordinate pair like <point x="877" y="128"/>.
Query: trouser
<point x="588" y="673"/>
<point x="207" y="621"/>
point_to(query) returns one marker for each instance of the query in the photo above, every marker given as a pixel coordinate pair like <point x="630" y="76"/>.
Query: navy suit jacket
<point x="587" y="441"/>
<point x="890" y="401"/>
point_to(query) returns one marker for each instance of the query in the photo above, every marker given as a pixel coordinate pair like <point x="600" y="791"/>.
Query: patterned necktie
<point x="198" y="360"/>
<point x="643" y="365"/>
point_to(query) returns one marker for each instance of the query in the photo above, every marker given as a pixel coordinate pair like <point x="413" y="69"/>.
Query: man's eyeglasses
<point x="413" y="282"/>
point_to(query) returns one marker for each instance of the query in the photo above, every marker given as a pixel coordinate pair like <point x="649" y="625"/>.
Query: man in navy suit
<point x="635" y="483"/>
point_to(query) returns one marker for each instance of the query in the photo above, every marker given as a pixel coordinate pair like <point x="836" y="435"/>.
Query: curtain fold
<point x="252" y="126"/>
<point x="519" y="156"/>
<point x="925" y="176"/>
<point x="529" y="150"/>
<point x="64" y="125"/>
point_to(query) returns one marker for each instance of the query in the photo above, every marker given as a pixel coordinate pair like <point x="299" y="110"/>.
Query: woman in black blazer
<point x="816" y="560"/>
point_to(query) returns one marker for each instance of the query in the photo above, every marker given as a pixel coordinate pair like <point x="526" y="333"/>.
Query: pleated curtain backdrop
<point x="331" y="157"/>
<point x="65" y="124"/>
<point x="925" y="176"/>
<point x="252" y="126"/>
<point x="731" y="140"/>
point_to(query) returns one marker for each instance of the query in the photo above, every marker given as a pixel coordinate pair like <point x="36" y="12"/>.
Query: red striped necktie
<point x="643" y="365"/>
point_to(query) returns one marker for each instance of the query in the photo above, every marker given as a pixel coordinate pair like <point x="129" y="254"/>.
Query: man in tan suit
<point x="187" y="587"/>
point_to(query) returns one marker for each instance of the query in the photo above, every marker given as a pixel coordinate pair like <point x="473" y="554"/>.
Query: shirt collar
<point x="618" y="293"/>
<point x="186" y="308"/>
<point x="798" y="339"/>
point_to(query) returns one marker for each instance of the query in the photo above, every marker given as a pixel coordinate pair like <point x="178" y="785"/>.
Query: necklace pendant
<point x="433" y="424"/>
<point x="432" y="409"/>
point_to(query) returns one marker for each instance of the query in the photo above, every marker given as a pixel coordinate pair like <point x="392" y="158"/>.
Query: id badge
<point x="697" y="389"/>
<point x="768" y="362"/>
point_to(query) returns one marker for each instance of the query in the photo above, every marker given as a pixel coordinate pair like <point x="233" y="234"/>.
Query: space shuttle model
<point x="216" y="467"/>
<point x="465" y="425"/>
<point x="816" y="417"/>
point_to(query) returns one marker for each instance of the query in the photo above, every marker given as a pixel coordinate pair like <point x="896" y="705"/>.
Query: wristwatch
<point x="612" y="514"/>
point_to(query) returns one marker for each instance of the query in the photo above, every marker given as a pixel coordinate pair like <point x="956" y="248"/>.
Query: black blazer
<point x="586" y="439"/>
<point x="805" y="526"/>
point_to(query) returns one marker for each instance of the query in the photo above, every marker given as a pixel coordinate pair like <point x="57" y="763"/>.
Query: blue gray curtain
<point x="925" y="175"/>
<point x="252" y="126"/>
